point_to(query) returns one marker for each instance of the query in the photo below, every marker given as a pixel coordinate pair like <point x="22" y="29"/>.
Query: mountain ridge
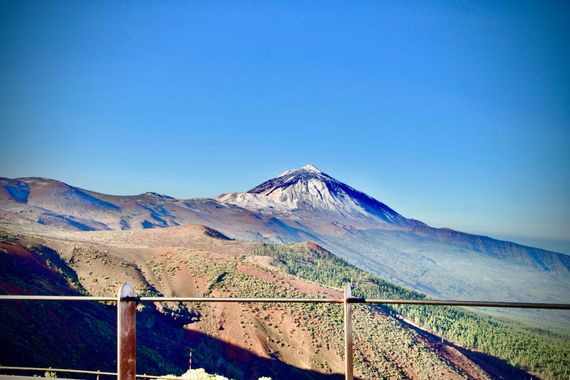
<point x="103" y="198"/>
<point x="306" y="204"/>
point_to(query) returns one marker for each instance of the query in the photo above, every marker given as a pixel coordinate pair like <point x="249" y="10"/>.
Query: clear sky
<point x="456" y="113"/>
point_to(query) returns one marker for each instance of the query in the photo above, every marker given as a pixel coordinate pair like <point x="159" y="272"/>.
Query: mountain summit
<point x="309" y="189"/>
<point x="308" y="168"/>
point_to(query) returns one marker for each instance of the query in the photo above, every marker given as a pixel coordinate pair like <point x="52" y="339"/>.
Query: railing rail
<point x="56" y="298"/>
<point x="354" y="300"/>
<point x="82" y="371"/>
<point x="126" y="301"/>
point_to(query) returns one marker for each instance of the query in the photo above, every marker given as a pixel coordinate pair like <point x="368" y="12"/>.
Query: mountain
<point x="317" y="194"/>
<point x="306" y="204"/>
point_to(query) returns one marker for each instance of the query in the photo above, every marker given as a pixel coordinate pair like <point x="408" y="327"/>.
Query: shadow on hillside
<point x="496" y="367"/>
<point x="221" y="357"/>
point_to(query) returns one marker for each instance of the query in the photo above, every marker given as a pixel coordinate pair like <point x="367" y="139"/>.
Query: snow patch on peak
<point x="308" y="168"/>
<point x="311" y="168"/>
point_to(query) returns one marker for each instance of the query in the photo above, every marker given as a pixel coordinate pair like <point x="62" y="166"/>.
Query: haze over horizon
<point x="455" y="115"/>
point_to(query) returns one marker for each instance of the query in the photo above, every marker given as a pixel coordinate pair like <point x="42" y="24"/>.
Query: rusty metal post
<point x="126" y="333"/>
<point x="349" y="375"/>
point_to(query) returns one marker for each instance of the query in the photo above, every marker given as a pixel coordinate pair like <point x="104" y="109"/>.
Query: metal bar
<point x="126" y="333"/>
<point x="348" y="357"/>
<point x="239" y="299"/>
<point x="520" y="305"/>
<point x="56" y="298"/>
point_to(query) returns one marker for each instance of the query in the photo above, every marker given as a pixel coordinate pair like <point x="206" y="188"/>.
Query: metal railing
<point x="126" y="301"/>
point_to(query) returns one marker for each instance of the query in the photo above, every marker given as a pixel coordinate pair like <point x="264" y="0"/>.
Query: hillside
<point x="292" y="338"/>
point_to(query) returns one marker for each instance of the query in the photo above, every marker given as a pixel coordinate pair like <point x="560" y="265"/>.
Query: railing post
<point x="126" y="333"/>
<point x="349" y="375"/>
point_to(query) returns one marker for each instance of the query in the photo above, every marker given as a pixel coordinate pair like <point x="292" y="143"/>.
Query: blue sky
<point x="454" y="113"/>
